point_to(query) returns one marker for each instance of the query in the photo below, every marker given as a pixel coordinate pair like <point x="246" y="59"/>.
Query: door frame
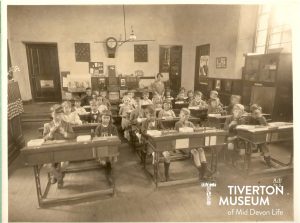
<point x="54" y="44"/>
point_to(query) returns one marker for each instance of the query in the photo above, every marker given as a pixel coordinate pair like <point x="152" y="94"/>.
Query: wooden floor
<point x="136" y="199"/>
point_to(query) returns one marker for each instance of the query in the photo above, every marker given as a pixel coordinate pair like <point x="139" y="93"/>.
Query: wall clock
<point x="111" y="46"/>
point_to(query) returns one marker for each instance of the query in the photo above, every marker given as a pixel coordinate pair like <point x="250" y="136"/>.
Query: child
<point x="95" y="94"/>
<point x="137" y="114"/>
<point x="190" y="95"/>
<point x="69" y="116"/>
<point x="198" y="154"/>
<point x="181" y="95"/>
<point x="131" y="97"/>
<point x="124" y="112"/>
<point x="168" y="95"/>
<point x="101" y="105"/>
<point x="198" y="102"/>
<point x="257" y="118"/>
<point x="157" y="101"/>
<point x="214" y="107"/>
<point x="94" y="114"/>
<point x="86" y="99"/>
<point x="214" y="96"/>
<point x="230" y="125"/>
<point x="57" y="129"/>
<point x="234" y="99"/>
<point x="146" y="100"/>
<point x="166" y="112"/>
<point x="77" y="108"/>
<point x="104" y="129"/>
<point x="105" y="99"/>
<point x="151" y="123"/>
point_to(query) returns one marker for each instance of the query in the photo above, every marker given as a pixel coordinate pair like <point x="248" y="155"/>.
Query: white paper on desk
<point x="193" y="108"/>
<point x="214" y="115"/>
<point x="153" y="132"/>
<point x="182" y="143"/>
<point x="207" y="141"/>
<point x="83" y="138"/>
<point x="186" y="129"/>
<point x="245" y="127"/>
<point x="35" y="142"/>
<point x="213" y="140"/>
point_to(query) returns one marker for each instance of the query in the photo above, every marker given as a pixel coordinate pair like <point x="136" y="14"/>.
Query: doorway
<point x="44" y="72"/>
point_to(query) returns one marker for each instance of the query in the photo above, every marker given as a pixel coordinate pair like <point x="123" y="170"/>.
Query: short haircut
<point x="106" y="113"/>
<point x="198" y="93"/>
<point x="66" y="104"/>
<point x="235" y="96"/>
<point x="88" y="88"/>
<point x="56" y="108"/>
<point x="186" y="111"/>
<point x="93" y="102"/>
<point x="214" y="92"/>
<point x="239" y="107"/>
<point x="159" y="74"/>
<point x="190" y="91"/>
<point x="77" y="98"/>
<point x="150" y="109"/>
<point x="255" y="107"/>
<point x="181" y="89"/>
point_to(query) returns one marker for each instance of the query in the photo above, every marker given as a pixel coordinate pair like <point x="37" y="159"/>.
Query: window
<point x="273" y="29"/>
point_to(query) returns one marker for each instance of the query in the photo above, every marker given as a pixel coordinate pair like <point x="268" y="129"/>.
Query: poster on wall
<point x="96" y="69"/>
<point x="203" y="65"/>
<point x="221" y="62"/>
<point x="82" y="52"/>
<point x="78" y="83"/>
<point x="140" y="53"/>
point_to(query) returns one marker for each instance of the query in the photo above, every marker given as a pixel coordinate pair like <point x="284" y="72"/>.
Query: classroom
<point x="146" y="113"/>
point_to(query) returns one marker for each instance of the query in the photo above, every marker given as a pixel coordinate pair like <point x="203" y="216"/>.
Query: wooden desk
<point x="170" y="123"/>
<point x="68" y="151"/>
<point x="266" y="134"/>
<point x="170" y="140"/>
<point x="84" y="128"/>
<point x="86" y="117"/>
<point x="180" y="105"/>
<point x="217" y="121"/>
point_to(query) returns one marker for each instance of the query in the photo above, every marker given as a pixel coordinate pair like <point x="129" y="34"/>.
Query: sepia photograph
<point x="149" y="112"/>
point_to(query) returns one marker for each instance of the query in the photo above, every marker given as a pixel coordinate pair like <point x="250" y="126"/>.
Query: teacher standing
<point x="158" y="87"/>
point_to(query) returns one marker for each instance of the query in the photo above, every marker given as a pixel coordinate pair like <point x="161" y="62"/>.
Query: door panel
<point x="200" y="81"/>
<point x="44" y="72"/>
<point x="263" y="96"/>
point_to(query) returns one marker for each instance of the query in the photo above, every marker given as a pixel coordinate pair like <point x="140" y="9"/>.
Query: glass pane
<point x="260" y="49"/>
<point x="275" y="38"/>
<point x="261" y="37"/>
<point x="287" y="47"/>
<point x="263" y="21"/>
<point x="286" y="36"/>
<point x="274" y="46"/>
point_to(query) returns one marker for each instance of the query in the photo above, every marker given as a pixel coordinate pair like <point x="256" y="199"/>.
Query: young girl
<point x="77" y="106"/>
<point x="214" y="96"/>
<point x="104" y="129"/>
<point x="151" y="123"/>
<point x="198" y="154"/>
<point x="101" y="105"/>
<point x="168" y="95"/>
<point x="190" y="95"/>
<point x="69" y="116"/>
<point x="157" y="101"/>
<point x="257" y="118"/>
<point x="234" y="99"/>
<point x="166" y="112"/>
<point x="57" y="129"/>
<point x="230" y="125"/>
<point x="146" y="100"/>
<point x="124" y="112"/>
<point x="181" y="95"/>
<point x="104" y="99"/>
<point x="214" y="107"/>
<point x="198" y="102"/>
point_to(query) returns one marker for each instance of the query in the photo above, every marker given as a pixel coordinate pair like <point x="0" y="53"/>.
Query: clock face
<point x="111" y="42"/>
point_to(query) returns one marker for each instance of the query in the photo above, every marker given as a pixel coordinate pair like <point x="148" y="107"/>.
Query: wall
<point x="186" y="25"/>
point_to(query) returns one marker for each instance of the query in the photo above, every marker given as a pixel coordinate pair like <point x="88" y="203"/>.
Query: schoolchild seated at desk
<point x="85" y="101"/>
<point x="124" y="112"/>
<point x="230" y="125"/>
<point x="105" y="99"/>
<point x="190" y="96"/>
<point x="257" y="118"/>
<point x="137" y="114"/>
<point x="198" y="102"/>
<point x="131" y="97"/>
<point x="181" y="95"/>
<point x="214" y="96"/>
<point x="166" y="112"/>
<point x="214" y="107"/>
<point x="168" y="95"/>
<point x="151" y="123"/>
<point x="234" y="99"/>
<point x="57" y="129"/>
<point x="101" y="105"/>
<point x="95" y="94"/>
<point x="69" y="116"/>
<point x="106" y="129"/>
<point x="146" y="100"/>
<point x="157" y="101"/>
<point x="77" y="106"/>
<point x="94" y="114"/>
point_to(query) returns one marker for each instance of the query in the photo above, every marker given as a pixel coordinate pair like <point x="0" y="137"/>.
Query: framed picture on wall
<point x="218" y="85"/>
<point x="221" y="62"/>
<point x="122" y="82"/>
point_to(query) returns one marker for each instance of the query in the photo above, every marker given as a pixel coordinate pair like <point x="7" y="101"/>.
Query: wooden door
<point x="264" y="97"/>
<point x="170" y="61"/>
<point x="201" y="80"/>
<point x="44" y="72"/>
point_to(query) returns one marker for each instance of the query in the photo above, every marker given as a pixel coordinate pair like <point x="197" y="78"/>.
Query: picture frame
<point x="221" y="62"/>
<point x="218" y="84"/>
<point x="122" y="82"/>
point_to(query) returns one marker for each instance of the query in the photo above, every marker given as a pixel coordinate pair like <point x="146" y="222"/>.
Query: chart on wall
<point x="82" y="52"/>
<point x="96" y="68"/>
<point x="140" y="53"/>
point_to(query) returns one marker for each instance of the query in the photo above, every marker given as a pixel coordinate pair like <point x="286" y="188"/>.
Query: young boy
<point x="190" y="95"/>
<point x="198" y="154"/>
<point x="166" y="112"/>
<point x="214" y="107"/>
<point x="85" y="101"/>
<point x="77" y="106"/>
<point x="131" y="97"/>
<point x="124" y="112"/>
<point x="101" y="105"/>
<point x="214" y="96"/>
<point x="257" y="118"/>
<point x="230" y="125"/>
<point x="146" y="100"/>
<point x="105" y="99"/>
<point x="57" y="129"/>
<point x="168" y="95"/>
<point x="198" y="102"/>
<point x="95" y="94"/>
<point x="152" y="124"/>
<point x="94" y="114"/>
<point x="69" y="116"/>
<point x="104" y="129"/>
<point x="181" y="95"/>
<point x="157" y="101"/>
<point x="234" y="99"/>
